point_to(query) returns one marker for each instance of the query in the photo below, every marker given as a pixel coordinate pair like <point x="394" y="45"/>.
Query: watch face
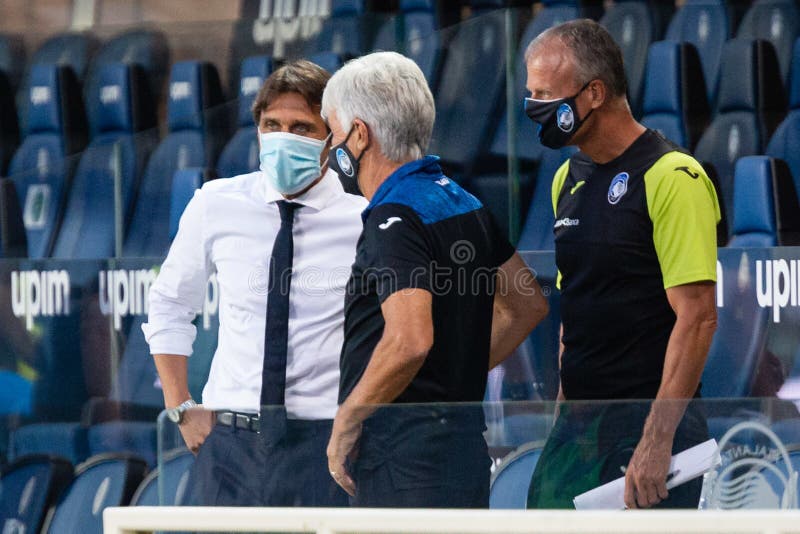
<point x="174" y="415"/>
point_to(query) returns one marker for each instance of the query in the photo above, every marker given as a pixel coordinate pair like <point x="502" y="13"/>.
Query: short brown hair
<point x="302" y="77"/>
<point x="594" y="52"/>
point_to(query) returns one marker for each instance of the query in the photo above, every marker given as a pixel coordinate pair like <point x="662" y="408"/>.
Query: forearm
<point x="506" y="336"/>
<point x="389" y="372"/>
<point x="683" y="366"/>
<point x="173" y="372"/>
<point x="519" y="306"/>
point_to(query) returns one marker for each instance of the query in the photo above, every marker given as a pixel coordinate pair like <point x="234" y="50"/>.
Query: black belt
<point x="240" y="420"/>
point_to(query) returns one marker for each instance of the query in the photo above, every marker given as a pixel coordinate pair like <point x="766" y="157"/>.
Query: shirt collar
<point x="426" y="167"/>
<point x="316" y="198"/>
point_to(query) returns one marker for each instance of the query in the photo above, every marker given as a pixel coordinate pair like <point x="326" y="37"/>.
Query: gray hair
<point x="389" y="93"/>
<point x="595" y="54"/>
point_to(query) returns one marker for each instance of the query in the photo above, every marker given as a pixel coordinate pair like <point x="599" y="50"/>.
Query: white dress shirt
<point x="229" y="228"/>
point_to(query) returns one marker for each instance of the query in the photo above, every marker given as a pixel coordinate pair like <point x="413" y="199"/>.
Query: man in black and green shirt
<point x="635" y="238"/>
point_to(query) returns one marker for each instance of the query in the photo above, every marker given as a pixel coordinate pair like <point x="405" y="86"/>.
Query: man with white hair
<point x="436" y="298"/>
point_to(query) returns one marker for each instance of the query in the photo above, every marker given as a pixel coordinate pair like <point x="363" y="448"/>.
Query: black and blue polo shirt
<point x="423" y="231"/>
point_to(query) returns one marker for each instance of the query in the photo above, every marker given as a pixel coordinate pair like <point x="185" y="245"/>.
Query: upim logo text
<point x="124" y="292"/>
<point x="38" y="294"/>
<point x="776" y="285"/>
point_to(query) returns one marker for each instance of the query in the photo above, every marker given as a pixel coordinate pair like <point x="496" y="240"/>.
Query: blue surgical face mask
<point x="290" y="162"/>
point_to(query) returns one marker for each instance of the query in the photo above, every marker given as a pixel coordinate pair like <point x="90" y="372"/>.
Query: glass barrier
<point x="71" y="332"/>
<point x="501" y="455"/>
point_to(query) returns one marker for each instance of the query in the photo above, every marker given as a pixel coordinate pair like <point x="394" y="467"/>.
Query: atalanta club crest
<point x="618" y="188"/>
<point x="344" y="162"/>
<point x="565" y="118"/>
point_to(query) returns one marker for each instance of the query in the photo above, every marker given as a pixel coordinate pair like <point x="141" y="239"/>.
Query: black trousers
<point x="422" y="458"/>
<point x="237" y="467"/>
<point x="590" y="443"/>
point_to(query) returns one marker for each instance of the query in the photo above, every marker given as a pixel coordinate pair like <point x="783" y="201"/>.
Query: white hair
<point x="389" y="93"/>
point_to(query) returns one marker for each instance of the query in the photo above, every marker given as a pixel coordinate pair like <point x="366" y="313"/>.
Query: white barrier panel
<point x="138" y="519"/>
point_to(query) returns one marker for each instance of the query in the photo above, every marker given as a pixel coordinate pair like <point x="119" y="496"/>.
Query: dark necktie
<point x="273" y="377"/>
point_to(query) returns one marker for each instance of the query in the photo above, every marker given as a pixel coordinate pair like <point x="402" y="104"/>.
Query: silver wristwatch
<point x="176" y="414"/>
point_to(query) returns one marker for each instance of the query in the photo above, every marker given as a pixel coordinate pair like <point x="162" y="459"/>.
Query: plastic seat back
<point x="240" y="154"/>
<point x="675" y="101"/>
<point x="125" y="135"/>
<point x="29" y="487"/>
<point x="43" y="165"/>
<point x="100" y="482"/>
<point x="196" y="133"/>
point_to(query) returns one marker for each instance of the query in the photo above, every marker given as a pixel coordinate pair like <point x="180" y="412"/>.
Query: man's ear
<point x="598" y="93"/>
<point x="362" y="135"/>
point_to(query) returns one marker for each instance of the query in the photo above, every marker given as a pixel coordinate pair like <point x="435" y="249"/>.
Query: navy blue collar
<point x="425" y="168"/>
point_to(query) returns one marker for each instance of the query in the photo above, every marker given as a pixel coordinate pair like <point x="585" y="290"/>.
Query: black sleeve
<point x="503" y="249"/>
<point x="401" y="254"/>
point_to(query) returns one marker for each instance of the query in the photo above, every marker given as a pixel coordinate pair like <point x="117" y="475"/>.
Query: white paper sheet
<point x="686" y="465"/>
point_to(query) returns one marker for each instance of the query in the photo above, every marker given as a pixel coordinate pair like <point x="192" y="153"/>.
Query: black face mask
<point x="342" y="161"/>
<point x="557" y="119"/>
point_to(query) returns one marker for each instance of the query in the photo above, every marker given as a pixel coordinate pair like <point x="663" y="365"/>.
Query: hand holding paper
<point x="684" y="467"/>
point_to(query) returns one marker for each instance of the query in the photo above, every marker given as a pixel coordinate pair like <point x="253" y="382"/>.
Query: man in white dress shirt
<point x="281" y="242"/>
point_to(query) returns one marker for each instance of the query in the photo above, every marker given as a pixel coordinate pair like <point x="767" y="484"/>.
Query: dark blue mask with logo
<point x="557" y="119"/>
<point x="342" y="161"/>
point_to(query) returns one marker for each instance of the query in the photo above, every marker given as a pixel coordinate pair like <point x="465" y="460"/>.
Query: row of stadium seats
<point x="751" y="104"/>
<point x="46" y="494"/>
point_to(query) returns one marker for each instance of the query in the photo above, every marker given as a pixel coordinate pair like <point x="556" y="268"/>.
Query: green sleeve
<point x="558" y="184"/>
<point x="684" y="208"/>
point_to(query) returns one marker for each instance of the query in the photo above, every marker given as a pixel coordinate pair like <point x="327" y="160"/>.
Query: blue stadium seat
<point x="174" y="473"/>
<point x="675" y="101"/>
<point x="788" y="430"/>
<point x="528" y="148"/>
<point x="261" y="29"/>
<point x="786" y="139"/>
<point x="330" y="61"/>
<point x="345" y="32"/>
<point x="537" y="232"/>
<point x="707" y="25"/>
<point x="12" y="59"/>
<point x="13" y="242"/>
<point x="510" y="483"/>
<point x="133" y="437"/>
<point x="766" y="214"/>
<point x="750" y="105"/>
<point x="240" y="155"/>
<point x="67" y="440"/>
<point x="42" y="167"/>
<point x="634" y="24"/>
<point x="521" y="428"/>
<point x="493" y="191"/>
<point x="28" y="489"/>
<point x="766" y="209"/>
<point x="146" y="48"/>
<point x="414" y="33"/>
<point x="15" y="394"/>
<point x="184" y="184"/>
<point x="471" y="88"/>
<point x="125" y="135"/>
<point x="74" y="50"/>
<point x="102" y="481"/>
<point x="776" y="21"/>
<point x="196" y="132"/>
<point x="138" y="381"/>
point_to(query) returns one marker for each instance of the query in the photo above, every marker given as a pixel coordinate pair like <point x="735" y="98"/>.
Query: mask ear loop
<point x="323" y="161"/>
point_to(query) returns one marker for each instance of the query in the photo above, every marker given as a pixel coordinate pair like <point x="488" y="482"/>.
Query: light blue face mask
<point x="290" y="162"/>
